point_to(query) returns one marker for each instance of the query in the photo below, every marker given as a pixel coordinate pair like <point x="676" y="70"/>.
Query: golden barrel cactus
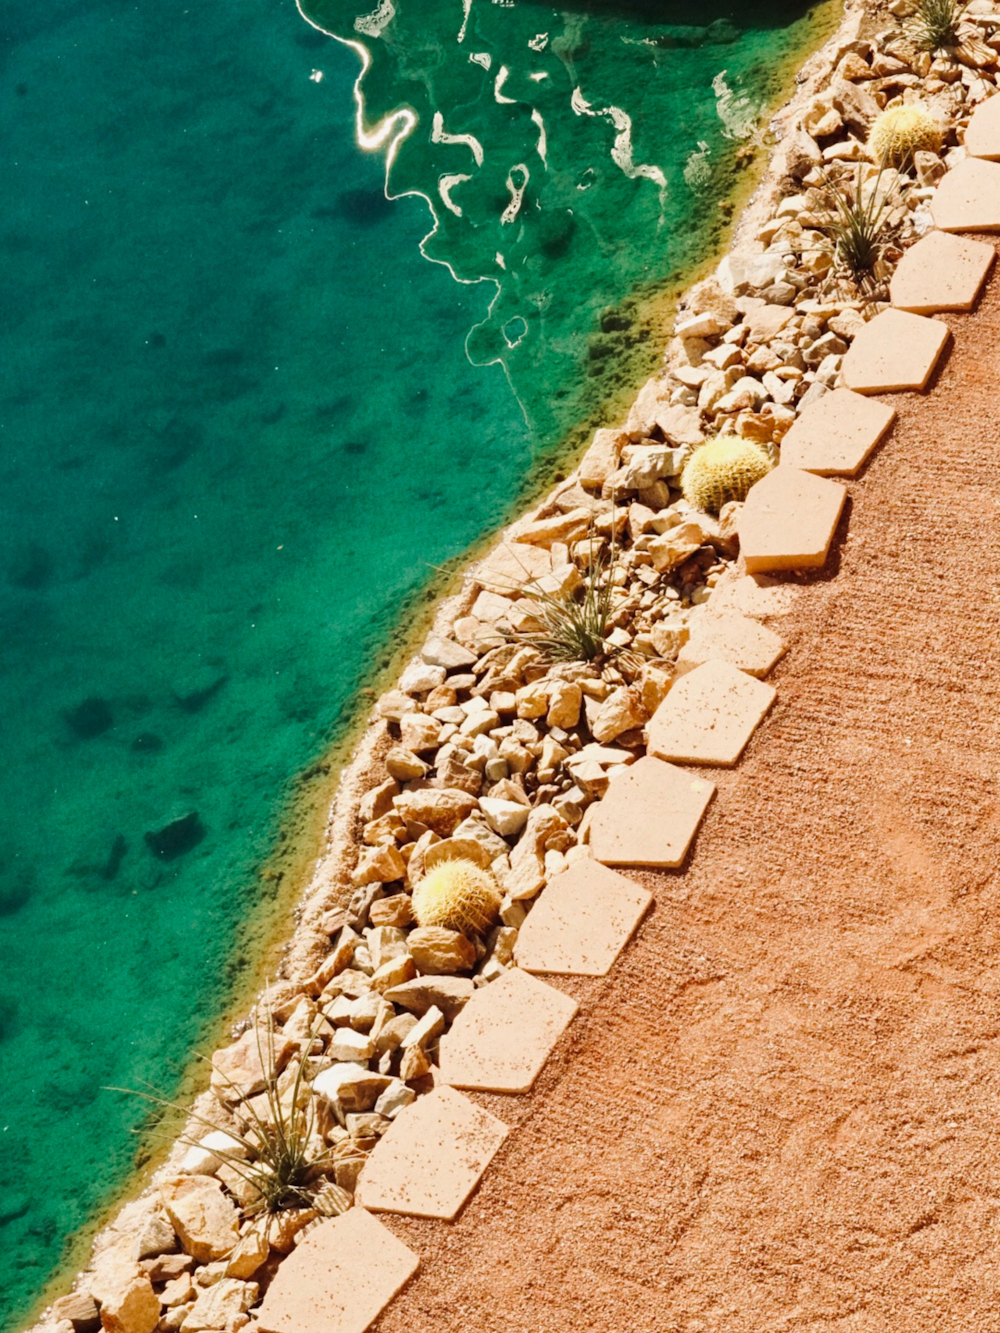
<point x="724" y="469"/>
<point x="458" y="895"/>
<point x="900" y="132"/>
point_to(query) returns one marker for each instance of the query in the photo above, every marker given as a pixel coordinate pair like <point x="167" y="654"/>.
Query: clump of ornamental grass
<point x="574" y="626"/>
<point x="934" y="25"/>
<point x="858" y="224"/>
<point x="277" y="1154"/>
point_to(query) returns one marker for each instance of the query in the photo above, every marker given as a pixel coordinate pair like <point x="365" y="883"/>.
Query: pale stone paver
<point x="504" y="1035"/>
<point x="338" y="1279"/>
<point x="941" y="272"/>
<point x="711" y="713"/>
<point x="431" y="1158"/>
<point x="730" y="637"/>
<point x="968" y="198"/>
<point x="894" y="351"/>
<point x="982" y="136"/>
<point x="836" y="434"/>
<point x="788" y="521"/>
<point x="581" y="921"/>
<point x="649" y="815"/>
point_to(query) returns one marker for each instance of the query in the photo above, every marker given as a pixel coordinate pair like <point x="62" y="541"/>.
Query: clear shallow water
<point x="238" y="425"/>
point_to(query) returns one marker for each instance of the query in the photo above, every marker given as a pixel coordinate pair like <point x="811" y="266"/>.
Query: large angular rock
<point x="441" y="809"/>
<point x="709" y="716"/>
<point x="131" y="1307"/>
<point x="219" y="1305"/>
<point x="789" y="520"/>
<point x="350" y="1087"/>
<point x="338" y="1279"/>
<point x="204" y="1219"/>
<point x="449" y="994"/>
<point x="440" y="952"/>
<point x="239" y="1070"/>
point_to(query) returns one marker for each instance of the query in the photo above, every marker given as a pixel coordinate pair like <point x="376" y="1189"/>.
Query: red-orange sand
<point x="782" y="1109"/>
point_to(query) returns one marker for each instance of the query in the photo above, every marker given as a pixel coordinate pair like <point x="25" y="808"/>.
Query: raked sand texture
<point x="780" y="1109"/>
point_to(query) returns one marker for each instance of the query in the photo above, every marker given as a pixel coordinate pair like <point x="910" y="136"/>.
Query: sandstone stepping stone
<point x="941" y="272"/>
<point x="788" y="521"/>
<point x="982" y="137"/>
<point x="730" y="637"/>
<point x="968" y="198"/>
<point x="649" y="815"/>
<point x="894" y="351"/>
<point x="338" y="1279"/>
<point x="581" y="921"/>
<point x="711" y="713"/>
<point x="431" y="1158"/>
<point x="505" y="1033"/>
<point x="835" y="435"/>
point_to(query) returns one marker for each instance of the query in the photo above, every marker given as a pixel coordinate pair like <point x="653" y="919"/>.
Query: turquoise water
<point x="241" y="419"/>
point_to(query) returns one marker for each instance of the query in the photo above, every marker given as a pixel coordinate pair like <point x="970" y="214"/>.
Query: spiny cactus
<point x="723" y="470"/>
<point x="458" y="895"/>
<point x="900" y="132"/>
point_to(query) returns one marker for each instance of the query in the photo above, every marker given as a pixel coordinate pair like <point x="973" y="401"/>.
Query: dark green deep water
<point x="242" y="417"/>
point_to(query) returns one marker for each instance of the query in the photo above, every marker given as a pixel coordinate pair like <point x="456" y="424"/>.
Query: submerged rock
<point x="177" y="837"/>
<point x="91" y="718"/>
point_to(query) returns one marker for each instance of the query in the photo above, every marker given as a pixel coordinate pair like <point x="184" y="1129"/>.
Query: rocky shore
<point x="492" y="754"/>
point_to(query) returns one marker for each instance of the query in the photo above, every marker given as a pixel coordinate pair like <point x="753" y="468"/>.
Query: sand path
<point x="780" y="1111"/>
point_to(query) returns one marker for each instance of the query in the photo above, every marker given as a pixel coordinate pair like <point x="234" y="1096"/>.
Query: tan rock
<point x="565" y="699"/>
<point x="440" y="952"/>
<point x="545" y="828"/>
<point x="506" y="818"/>
<point x="251" y="1251"/>
<point x="283" y="1227"/>
<point x="396" y="910"/>
<point x="622" y="711"/>
<point x="379" y="865"/>
<point x="404" y="765"/>
<point x="425" y="1031"/>
<point x="378" y="801"/>
<point x="390" y="1035"/>
<point x="601" y="459"/>
<point x="674" y="546"/>
<point x="220" y="1305"/>
<point x="440" y="809"/>
<point x="417" y="732"/>
<point x="132" y="1307"/>
<point x="204" y="1219"/>
<point x="448" y="993"/>
<point x="237" y="1070"/>
<point x="79" y="1307"/>
<point x="393" y="973"/>
<point x="350" y="1087"/>
<point x="560" y="528"/>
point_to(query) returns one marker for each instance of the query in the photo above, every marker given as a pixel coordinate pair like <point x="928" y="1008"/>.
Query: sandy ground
<point x="780" y="1110"/>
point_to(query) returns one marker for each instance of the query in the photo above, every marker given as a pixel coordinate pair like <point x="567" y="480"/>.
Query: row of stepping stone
<point x="347" y="1270"/>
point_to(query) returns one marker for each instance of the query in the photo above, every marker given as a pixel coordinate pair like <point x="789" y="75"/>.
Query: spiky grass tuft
<point x="281" y="1166"/>
<point x="934" y="26"/>
<point x="857" y="222"/>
